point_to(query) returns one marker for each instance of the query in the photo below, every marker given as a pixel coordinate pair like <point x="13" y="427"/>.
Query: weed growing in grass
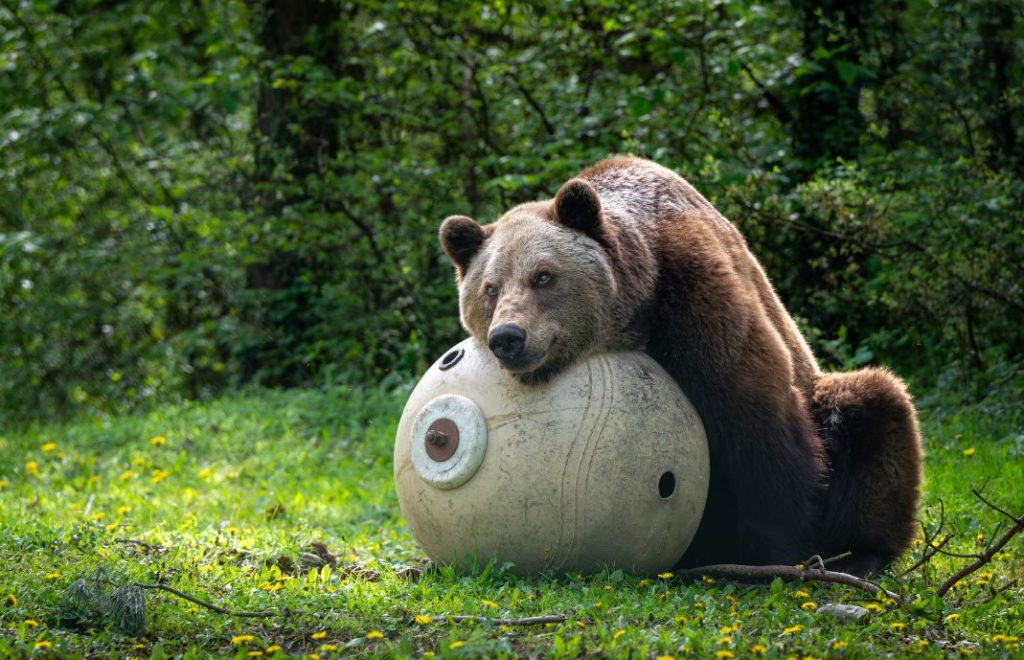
<point x="281" y="503"/>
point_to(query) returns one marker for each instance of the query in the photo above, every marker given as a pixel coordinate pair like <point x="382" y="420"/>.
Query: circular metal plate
<point x="442" y="439"/>
<point x="464" y="426"/>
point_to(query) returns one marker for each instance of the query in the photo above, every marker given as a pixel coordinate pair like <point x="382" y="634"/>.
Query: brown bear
<point x="628" y="255"/>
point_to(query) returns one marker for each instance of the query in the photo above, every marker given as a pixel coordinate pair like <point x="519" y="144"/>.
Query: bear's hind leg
<point x="869" y="426"/>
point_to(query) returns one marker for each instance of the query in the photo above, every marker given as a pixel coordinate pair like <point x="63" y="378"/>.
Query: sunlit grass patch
<point x="281" y="505"/>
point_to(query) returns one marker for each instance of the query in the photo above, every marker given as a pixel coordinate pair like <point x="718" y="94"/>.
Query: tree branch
<point x="524" y="621"/>
<point x="211" y="606"/>
<point x="990" y="551"/>
<point x="787" y="573"/>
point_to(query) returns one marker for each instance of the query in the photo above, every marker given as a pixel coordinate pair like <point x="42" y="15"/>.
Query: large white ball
<point x="604" y="466"/>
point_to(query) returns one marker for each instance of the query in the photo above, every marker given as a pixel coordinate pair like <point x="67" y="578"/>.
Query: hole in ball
<point x="667" y="485"/>
<point x="451" y="359"/>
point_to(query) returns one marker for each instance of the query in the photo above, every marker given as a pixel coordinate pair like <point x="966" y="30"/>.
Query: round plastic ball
<point x="605" y="466"/>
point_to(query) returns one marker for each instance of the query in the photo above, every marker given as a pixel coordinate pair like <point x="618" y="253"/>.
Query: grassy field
<point x="282" y="503"/>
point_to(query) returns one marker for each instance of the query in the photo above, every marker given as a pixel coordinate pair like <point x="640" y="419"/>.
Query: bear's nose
<point x="507" y="341"/>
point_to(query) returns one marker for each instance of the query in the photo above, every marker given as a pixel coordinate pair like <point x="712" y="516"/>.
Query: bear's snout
<point x="507" y="342"/>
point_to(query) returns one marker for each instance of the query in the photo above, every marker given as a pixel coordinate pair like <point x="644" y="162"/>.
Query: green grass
<point x="239" y="488"/>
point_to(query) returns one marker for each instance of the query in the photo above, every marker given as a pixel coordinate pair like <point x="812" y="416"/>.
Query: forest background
<point x="202" y="195"/>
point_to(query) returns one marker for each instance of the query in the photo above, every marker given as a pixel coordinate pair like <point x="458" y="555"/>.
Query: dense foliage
<point x="201" y="194"/>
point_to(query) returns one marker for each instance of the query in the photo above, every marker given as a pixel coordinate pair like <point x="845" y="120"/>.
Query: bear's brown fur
<point x="629" y="255"/>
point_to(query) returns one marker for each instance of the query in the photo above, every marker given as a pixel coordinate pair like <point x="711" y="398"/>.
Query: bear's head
<point x="537" y="286"/>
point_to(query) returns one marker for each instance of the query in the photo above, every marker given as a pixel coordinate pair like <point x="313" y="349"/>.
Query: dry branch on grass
<point x="787" y="573"/>
<point x="497" y="621"/>
<point x="983" y="558"/>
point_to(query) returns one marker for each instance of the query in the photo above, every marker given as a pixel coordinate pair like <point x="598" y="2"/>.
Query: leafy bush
<point x="198" y="199"/>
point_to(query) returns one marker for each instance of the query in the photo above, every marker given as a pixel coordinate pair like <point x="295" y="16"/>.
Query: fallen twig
<point x="148" y="547"/>
<point x="995" y="592"/>
<point x="990" y="551"/>
<point x="211" y="606"/>
<point x="815" y="561"/>
<point x="931" y="546"/>
<point x="523" y="621"/>
<point x="787" y="573"/>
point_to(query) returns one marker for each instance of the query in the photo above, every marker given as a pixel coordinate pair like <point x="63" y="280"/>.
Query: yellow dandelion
<point x="328" y="647"/>
<point x="969" y="452"/>
<point x="273" y="648"/>
<point x="32" y="469"/>
<point x="31" y="623"/>
<point x="96" y="516"/>
<point x="43" y="644"/>
<point x="951" y="617"/>
<point x="682" y="618"/>
<point x="270" y="586"/>
<point x="923" y="643"/>
<point x="312" y="656"/>
<point x="667" y="575"/>
<point x="126" y="475"/>
<point x="644" y="583"/>
<point x="665" y="657"/>
<point x="979" y="538"/>
<point x="725" y="640"/>
<point x="792" y="629"/>
<point x="707" y="580"/>
<point x="456" y="644"/>
<point x="157" y="440"/>
<point x="808" y="606"/>
<point x="11" y="600"/>
<point x="428" y="654"/>
<point x="319" y="635"/>
<point x="898" y="626"/>
<point x="488" y="603"/>
<point x="598" y="605"/>
<point x="618" y="633"/>
<point x="48" y="447"/>
<point x="138" y="460"/>
<point x="839" y="645"/>
<point x="3" y="484"/>
<point x="242" y="639"/>
<point x="205" y="473"/>
<point x="254" y="654"/>
<point x="121" y="510"/>
<point x="422" y="619"/>
<point x="52" y="576"/>
<point x="138" y="646"/>
<point x="758" y="649"/>
<point x="809" y="657"/>
<point x="724" y="654"/>
<point x="111" y="527"/>
<point x="159" y="475"/>
<point x="801" y="594"/>
<point x="918" y="542"/>
<point x="725" y="630"/>
<point x="873" y="607"/>
<point x="374" y="634"/>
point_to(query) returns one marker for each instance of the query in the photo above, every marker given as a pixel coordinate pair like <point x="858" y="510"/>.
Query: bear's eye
<point x="542" y="278"/>
<point x="491" y="291"/>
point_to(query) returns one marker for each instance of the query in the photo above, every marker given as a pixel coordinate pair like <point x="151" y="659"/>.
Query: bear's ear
<point x="461" y="238"/>
<point x="578" y="207"/>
